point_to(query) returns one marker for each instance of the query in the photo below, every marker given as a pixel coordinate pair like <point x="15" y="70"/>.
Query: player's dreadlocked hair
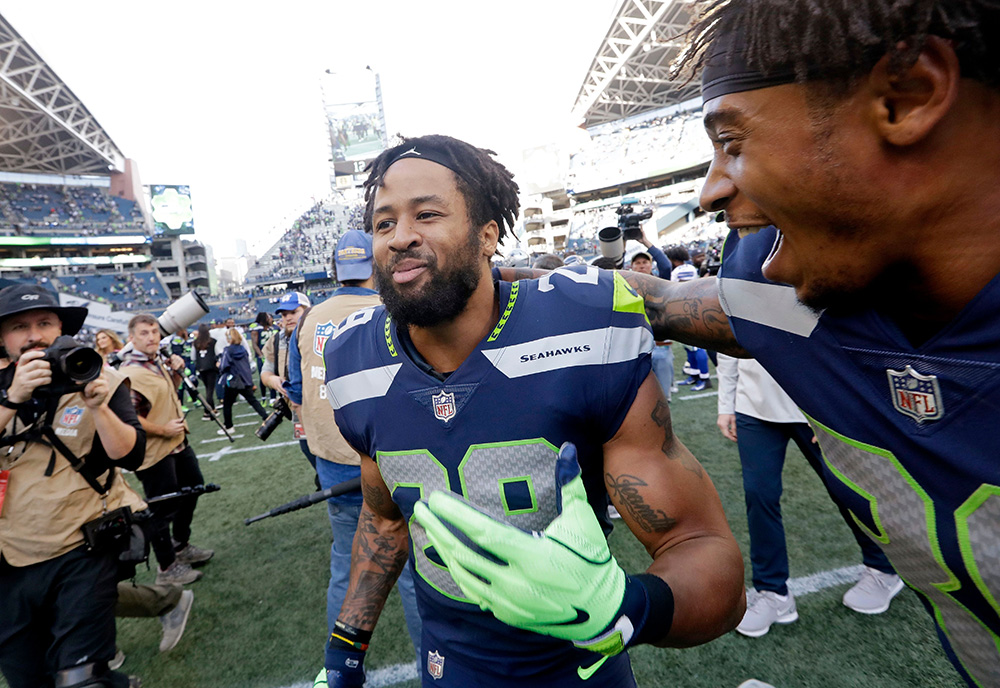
<point x="841" y="40"/>
<point x="488" y="187"/>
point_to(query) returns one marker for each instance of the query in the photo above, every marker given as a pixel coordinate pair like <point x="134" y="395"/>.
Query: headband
<point x="726" y="71"/>
<point x="425" y="151"/>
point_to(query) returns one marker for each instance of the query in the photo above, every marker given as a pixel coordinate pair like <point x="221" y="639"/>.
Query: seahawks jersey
<point x="563" y="363"/>
<point x="903" y="430"/>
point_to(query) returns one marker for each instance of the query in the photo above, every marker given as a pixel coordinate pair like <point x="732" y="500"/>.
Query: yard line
<point x="226" y="451"/>
<point x="221" y="439"/>
<point x="696" y="396"/>
<point x="389" y="676"/>
<point x="243" y="425"/>
<point x="380" y="678"/>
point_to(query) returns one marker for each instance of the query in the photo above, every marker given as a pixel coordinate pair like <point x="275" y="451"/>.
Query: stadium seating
<point x="37" y="207"/>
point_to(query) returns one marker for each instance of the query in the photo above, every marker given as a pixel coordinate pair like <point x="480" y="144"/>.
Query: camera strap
<point x="46" y="435"/>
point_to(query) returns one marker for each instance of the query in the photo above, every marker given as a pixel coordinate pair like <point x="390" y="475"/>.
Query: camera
<point x="73" y="366"/>
<point x="629" y="228"/>
<point x="280" y="412"/>
<point x="629" y="221"/>
<point x="110" y="532"/>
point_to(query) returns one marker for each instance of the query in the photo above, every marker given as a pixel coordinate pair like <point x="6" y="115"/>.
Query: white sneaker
<point x="223" y="432"/>
<point x="873" y="592"/>
<point x="765" y="608"/>
<point x="754" y="683"/>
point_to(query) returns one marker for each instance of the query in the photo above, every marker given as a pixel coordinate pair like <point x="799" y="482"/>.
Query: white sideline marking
<point x="245" y="415"/>
<point x="824" y="579"/>
<point x="696" y="396"/>
<point x="380" y="678"/>
<point x="243" y="425"/>
<point x="221" y="439"/>
<point x="217" y="455"/>
<point x="229" y="450"/>
<point x="397" y="673"/>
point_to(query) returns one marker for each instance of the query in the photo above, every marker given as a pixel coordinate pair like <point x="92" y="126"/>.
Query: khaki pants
<point x="146" y="600"/>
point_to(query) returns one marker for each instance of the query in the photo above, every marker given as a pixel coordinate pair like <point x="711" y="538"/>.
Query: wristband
<point x="354" y="637"/>
<point x="645" y="616"/>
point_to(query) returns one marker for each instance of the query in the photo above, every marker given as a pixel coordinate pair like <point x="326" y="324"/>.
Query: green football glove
<point x="563" y="582"/>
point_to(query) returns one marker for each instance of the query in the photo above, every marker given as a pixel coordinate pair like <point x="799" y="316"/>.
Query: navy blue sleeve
<point x="663" y="265"/>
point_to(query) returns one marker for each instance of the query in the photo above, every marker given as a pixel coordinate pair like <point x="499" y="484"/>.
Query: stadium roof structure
<point x="631" y="72"/>
<point x="44" y="127"/>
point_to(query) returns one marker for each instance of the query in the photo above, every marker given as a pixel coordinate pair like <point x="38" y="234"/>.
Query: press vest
<point x="159" y="390"/>
<point x="42" y="515"/>
<point x="316" y="328"/>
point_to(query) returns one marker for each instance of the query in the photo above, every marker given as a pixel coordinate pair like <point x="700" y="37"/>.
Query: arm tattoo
<point x="687" y="311"/>
<point x="661" y="416"/>
<point x="380" y="558"/>
<point x="625" y="489"/>
<point x="374" y="497"/>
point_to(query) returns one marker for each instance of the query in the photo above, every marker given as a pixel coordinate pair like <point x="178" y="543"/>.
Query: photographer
<point x="290" y="309"/>
<point x="169" y="462"/>
<point x="57" y="596"/>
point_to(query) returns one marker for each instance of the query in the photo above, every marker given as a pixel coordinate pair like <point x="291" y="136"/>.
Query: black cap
<point x="31" y="297"/>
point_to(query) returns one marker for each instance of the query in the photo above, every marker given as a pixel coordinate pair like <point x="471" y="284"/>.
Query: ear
<point x="489" y="234"/>
<point x="910" y="105"/>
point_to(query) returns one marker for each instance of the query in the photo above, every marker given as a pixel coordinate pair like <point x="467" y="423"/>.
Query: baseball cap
<point x="291" y="301"/>
<point x="19" y="298"/>
<point x="642" y="254"/>
<point x="353" y="258"/>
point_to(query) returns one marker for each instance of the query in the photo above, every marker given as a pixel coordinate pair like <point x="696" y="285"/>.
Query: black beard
<point x="445" y="296"/>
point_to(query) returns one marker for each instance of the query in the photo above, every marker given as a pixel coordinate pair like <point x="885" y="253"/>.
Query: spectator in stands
<point x="108" y="344"/>
<point x="207" y="365"/>
<point x="237" y="379"/>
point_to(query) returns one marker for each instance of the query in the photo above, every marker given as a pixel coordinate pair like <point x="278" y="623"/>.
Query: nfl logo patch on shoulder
<point x="71" y="416"/>
<point x="321" y="335"/>
<point x="435" y="665"/>
<point x="444" y="405"/>
<point x="915" y="395"/>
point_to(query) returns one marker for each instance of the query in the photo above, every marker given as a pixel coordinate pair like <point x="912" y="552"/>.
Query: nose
<point x="718" y="191"/>
<point x="405" y="235"/>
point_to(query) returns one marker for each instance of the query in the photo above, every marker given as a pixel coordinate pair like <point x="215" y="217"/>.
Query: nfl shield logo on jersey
<point x="435" y="665"/>
<point x="915" y="395"/>
<point x="71" y="416"/>
<point x="321" y="336"/>
<point x="444" y="405"/>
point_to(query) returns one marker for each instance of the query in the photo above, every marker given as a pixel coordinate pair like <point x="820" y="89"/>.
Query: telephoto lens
<point x="281" y="412"/>
<point x="73" y="366"/>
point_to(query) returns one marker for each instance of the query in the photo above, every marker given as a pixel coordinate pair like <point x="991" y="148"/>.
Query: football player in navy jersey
<point x="867" y="133"/>
<point x="477" y="402"/>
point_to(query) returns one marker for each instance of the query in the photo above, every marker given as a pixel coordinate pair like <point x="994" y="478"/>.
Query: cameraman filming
<point x="57" y="595"/>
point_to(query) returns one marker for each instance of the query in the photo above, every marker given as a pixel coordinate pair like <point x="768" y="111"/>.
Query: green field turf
<point x="259" y="612"/>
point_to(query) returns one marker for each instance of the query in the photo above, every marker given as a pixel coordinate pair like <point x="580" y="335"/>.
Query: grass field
<point x="259" y="612"/>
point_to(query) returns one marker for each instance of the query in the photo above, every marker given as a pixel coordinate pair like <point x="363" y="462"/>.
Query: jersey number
<point x="906" y="528"/>
<point x="514" y="481"/>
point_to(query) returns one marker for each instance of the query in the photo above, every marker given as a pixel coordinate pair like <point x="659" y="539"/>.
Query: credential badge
<point x="915" y="395"/>
<point x="435" y="665"/>
<point x="444" y="406"/>
<point x="322" y="334"/>
<point x="71" y="416"/>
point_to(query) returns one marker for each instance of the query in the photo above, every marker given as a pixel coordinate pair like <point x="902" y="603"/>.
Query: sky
<point x="226" y="96"/>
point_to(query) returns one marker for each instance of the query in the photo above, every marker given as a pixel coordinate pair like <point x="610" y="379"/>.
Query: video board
<point x="354" y="123"/>
<point x="171" y="209"/>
